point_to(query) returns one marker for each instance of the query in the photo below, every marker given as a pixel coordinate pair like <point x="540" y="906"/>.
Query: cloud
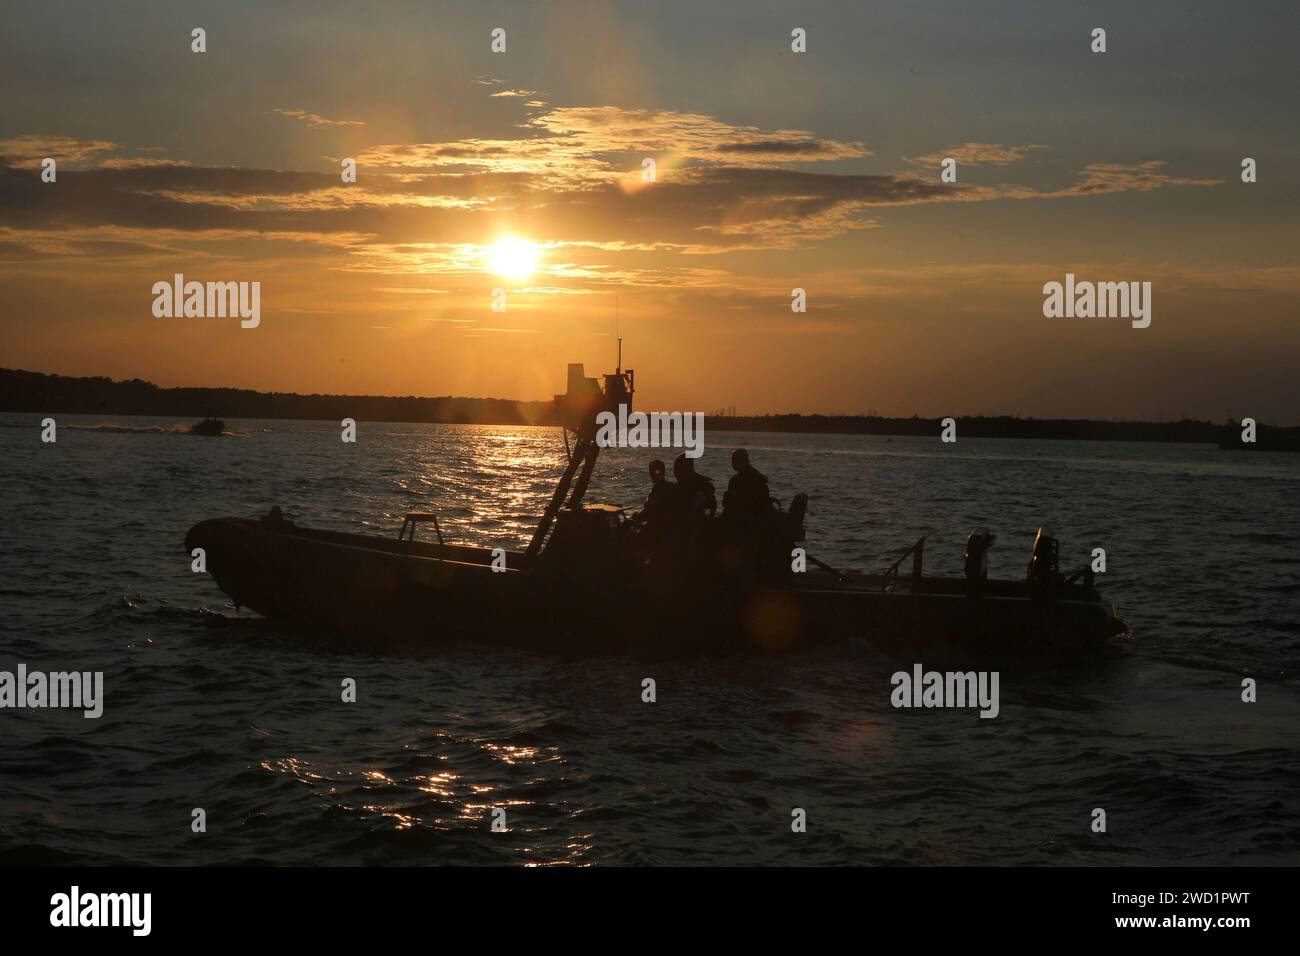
<point x="570" y="178"/>
<point x="72" y="153"/>
<point x="138" y="162"/>
<point x="1141" y="177"/>
<point x="315" y="120"/>
<point x="575" y="146"/>
<point x="30" y="150"/>
<point x="976" y="154"/>
<point x="608" y="129"/>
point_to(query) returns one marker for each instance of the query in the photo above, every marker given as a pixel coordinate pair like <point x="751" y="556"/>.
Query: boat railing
<point x="889" y="580"/>
<point x="414" y="518"/>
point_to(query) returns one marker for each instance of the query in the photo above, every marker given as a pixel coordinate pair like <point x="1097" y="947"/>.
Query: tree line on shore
<point x="36" y="392"/>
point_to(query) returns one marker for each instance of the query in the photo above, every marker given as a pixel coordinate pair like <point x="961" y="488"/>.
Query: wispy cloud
<point x="138" y="162"/>
<point x="30" y="150"/>
<point x="976" y="154"/>
<point x="1140" y="177"/>
<point x="579" y="145"/>
<point x="315" y="120"/>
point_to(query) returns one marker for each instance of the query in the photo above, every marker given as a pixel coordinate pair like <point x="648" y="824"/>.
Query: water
<point x="207" y="707"/>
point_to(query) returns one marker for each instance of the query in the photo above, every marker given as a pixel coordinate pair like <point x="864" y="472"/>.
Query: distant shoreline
<point x="35" y="392"/>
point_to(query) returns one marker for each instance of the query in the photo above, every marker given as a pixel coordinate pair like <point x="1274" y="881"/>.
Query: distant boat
<point x="584" y="583"/>
<point x="209" y="426"/>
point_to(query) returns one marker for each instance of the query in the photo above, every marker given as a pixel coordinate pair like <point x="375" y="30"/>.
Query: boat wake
<point x="177" y="429"/>
<point x="180" y="428"/>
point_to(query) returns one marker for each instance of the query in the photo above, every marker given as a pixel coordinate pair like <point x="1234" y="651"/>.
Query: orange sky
<point x="774" y="170"/>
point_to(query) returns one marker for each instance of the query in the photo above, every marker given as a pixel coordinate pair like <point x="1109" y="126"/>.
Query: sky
<point x="522" y="171"/>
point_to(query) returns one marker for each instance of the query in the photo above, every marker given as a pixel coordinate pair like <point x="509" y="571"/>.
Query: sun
<point x="513" y="257"/>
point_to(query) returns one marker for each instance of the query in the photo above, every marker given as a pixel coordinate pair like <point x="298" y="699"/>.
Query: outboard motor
<point x="977" y="563"/>
<point x="1044" y="565"/>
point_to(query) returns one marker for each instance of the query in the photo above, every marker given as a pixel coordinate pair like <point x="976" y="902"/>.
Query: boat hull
<point x="385" y="593"/>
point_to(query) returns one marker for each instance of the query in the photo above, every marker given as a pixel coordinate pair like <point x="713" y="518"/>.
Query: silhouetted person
<point x="749" y="522"/>
<point x="658" y="518"/>
<point x="695" y="497"/>
<point x="659" y="503"/>
<point x="747" y="497"/>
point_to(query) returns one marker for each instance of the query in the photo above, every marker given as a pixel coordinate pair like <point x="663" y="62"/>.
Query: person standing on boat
<point x="657" y="518"/>
<point x="692" y="527"/>
<point x="659" y="502"/>
<point x="747" y="497"/>
<point x="695" y="496"/>
<point x="747" y="519"/>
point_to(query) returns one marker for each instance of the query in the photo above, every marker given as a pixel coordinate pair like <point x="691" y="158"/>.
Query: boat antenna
<point x="618" y="364"/>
